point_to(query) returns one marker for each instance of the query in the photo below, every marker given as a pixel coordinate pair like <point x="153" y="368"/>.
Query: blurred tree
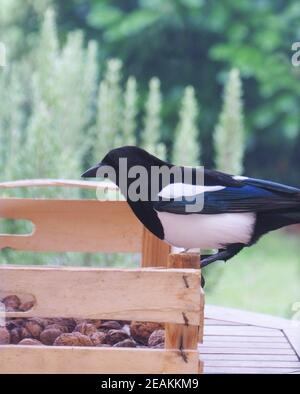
<point x="109" y="109"/>
<point x="12" y="119"/>
<point x="129" y="121"/>
<point x="193" y="42"/>
<point x="18" y="22"/>
<point x="229" y="133"/>
<point x="186" y="148"/>
<point x="63" y="85"/>
<point x="152" y="120"/>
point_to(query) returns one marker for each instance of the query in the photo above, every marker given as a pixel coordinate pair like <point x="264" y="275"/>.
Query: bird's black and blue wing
<point x="250" y="195"/>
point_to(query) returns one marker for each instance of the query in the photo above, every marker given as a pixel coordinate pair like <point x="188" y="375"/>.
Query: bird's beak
<point x="91" y="172"/>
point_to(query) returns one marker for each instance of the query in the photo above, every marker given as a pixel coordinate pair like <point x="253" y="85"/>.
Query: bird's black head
<point x="129" y="156"/>
<point x="131" y="169"/>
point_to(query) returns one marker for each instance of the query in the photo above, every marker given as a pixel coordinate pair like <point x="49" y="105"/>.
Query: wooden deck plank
<point x="293" y="336"/>
<point x="251" y="357"/>
<point x="241" y="331"/>
<point x="253" y="364"/>
<point x="246" y="317"/>
<point x="237" y="339"/>
<point x="215" y="322"/>
<point x="246" y="345"/>
<point x="242" y="370"/>
<point x="224" y="350"/>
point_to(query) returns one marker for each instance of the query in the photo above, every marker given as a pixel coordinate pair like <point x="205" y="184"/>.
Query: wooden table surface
<point x="244" y="342"/>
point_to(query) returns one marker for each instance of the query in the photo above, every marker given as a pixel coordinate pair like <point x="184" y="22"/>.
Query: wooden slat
<point x="241" y="331"/>
<point x="57" y="183"/>
<point x="154" y="251"/>
<point x="38" y="359"/>
<point x="202" y="307"/>
<point x="73" y="225"/>
<point x="200" y="367"/>
<point x="136" y="294"/>
<point x="183" y="336"/>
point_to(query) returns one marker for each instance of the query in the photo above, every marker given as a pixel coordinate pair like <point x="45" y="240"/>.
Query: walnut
<point x="38" y="320"/>
<point x="78" y="321"/>
<point x="48" y="336"/>
<point x="98" y="338"/>
<point x="15" y="336"/>
<point x="125" y="343"/>
<point x="68" y="323"/>
<point x="14" y="323"/>
<point x="10" y="309"/>
<point x="73" y="339"/>
<point x="110" y="325"/>
<point x="24" y="333"/>
<point x="157" y="338"/>
<point x="26" y="306"/>
<point x="4" y="336"/>
<point x="34" y="328"/>
<point x="96" y="323"/>
<point x="141" y="331"/>
<point x="12" y="302"/>
<point x="85" y="328"/>
<point x="59" y="327"/>
<point x="114" y="336"/>
<point x="30" y="341"/>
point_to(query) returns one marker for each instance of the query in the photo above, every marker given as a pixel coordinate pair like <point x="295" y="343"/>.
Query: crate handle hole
<point x="16" y="302"/>
<point x="16" y="227"/>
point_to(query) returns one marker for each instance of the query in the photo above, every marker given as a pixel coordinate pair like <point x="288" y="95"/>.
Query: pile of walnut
<point x="77" y="332"/>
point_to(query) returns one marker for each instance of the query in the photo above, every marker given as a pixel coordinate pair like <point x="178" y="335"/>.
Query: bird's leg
<point x="208" y="259"/>
<point x="205" y="256"/>
<point x="202" y="281"/>
<point x="223" y="254"/>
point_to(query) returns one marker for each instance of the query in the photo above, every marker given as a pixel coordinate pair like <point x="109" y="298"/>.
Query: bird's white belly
<point x="207" y="231"/>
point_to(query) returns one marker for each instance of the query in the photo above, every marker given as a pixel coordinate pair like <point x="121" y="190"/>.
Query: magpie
<point x="235" y="212"/>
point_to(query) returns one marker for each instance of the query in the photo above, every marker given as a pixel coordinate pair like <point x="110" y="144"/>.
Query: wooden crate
<point x="165" y="289"/>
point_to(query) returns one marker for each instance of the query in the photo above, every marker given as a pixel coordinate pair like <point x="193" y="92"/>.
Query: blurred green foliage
<point x="229" y="136"/>
<point x="186" y="147"/>
<point x="264" y="278"/>
<point x="195" y="42"/>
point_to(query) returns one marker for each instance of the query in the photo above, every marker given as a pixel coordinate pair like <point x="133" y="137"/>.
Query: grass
<point x="264" y="278"/>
